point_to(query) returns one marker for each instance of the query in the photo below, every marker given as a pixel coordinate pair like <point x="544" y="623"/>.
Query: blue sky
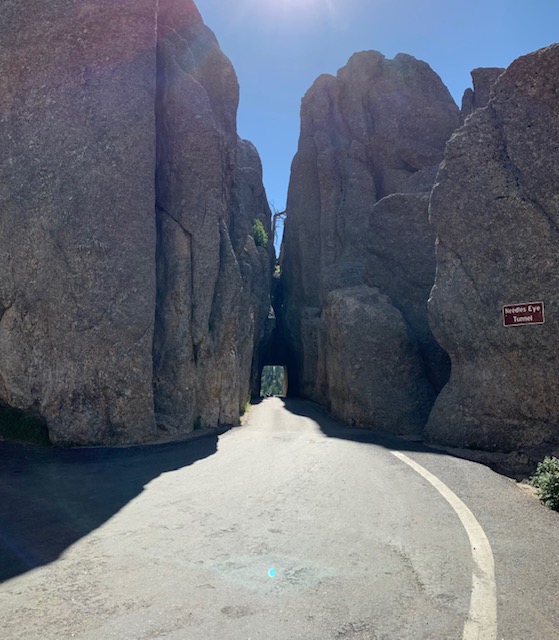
<point x="279" y="47"/>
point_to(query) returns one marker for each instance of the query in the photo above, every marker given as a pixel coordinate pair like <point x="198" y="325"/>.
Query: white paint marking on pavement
<point x="482" y="619"/>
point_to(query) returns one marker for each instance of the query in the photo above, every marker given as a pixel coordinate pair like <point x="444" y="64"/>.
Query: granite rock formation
<point x="483" y="79"/>
<point x="373" y="372"/>
<point x="117" y="315"/>
<point x="257" y="264"/>
<point x="495" y="209"/>
<point x="401" y="262"/>
<point x="376" y="129"/>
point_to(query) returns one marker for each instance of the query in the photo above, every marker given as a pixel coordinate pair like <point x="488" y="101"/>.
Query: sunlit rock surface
<point x="127" y="266"/>
<point x="496" y="214"/>
<point x="483" y="79"/>
<point x="378" y="128"/>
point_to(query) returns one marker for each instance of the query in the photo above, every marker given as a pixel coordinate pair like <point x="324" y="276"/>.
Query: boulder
<point x="375" y="378"/>
<point x="495" y="209"/>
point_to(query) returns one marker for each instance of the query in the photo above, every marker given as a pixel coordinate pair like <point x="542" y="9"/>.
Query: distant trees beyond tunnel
<point x="274" y="381"/>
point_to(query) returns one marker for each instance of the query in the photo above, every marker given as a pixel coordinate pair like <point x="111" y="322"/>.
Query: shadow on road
<point x="498" y="462"/>
<point x="50" y="498"/>
<point x="335" y="429"/>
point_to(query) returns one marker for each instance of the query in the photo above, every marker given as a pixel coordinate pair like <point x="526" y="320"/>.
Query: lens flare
<point x="300" y="9"/>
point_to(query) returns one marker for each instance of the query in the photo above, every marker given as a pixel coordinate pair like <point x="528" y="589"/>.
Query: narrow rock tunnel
<point x="276" y="352"/>
<point x="275" y="349"/>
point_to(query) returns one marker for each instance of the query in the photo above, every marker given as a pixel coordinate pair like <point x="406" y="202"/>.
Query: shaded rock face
<point x="401" y="262"/>
<point x="214" y="283"/>
<point x="496" y="211"/>
<point x="483" y="80"/>
<point x="77" y="243"/>
<point x="126" y="199"/>
<point x="375" y="374"/>
<point x="376" y="129"/>
<point x="257" y="265"/>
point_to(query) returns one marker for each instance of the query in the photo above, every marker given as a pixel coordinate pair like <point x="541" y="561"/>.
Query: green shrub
<point x="259" y="233"/>
<point x="546" y="481"/>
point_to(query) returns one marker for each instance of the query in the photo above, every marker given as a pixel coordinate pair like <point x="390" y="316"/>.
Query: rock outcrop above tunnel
<point x="378" y="128"/>
<point x="496" y="214"/>
<point x="120" y="322"/>
<point x="483" y="80"/>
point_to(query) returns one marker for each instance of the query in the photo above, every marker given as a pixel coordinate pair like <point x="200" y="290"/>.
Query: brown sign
<point x="515" y="315"/>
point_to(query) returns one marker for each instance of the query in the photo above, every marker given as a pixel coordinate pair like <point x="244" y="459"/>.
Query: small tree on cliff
<point x="259" y="233"/>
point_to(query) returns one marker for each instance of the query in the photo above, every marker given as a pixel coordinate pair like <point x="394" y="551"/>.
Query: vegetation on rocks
<point x="546" y="481"/>
<point x="259" y="234"/>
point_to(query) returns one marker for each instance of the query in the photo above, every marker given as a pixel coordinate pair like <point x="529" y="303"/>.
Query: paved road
<point x="288" y="527"/>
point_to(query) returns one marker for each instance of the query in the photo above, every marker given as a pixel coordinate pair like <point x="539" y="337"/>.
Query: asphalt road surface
<point x="288" y="527"/>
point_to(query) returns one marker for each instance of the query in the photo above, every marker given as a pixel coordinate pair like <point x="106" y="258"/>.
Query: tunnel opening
<point x="273" y="381"/>
<point x="275" y="351"/>
<point x="17" y="425"/>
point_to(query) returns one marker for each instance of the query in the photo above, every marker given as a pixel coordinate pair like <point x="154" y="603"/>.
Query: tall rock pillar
<point x="358" y="259"/>
<point x="77" y="228"/>
<point x="495" y="209"/>
<point x="132" y="291"/>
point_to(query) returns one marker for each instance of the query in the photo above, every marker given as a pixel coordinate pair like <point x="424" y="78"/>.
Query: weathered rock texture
<point x="483" y="79"/>
<point x="358" y="260"/>
<point x="107" y="308"/>
<point x="401" y="263"/>
<point x="371" y="367"/>
<point x="256" y="264"/>
<point x="496" y="213"/>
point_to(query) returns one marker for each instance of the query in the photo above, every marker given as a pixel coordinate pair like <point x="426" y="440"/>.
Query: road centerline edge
<point x="481" y="623"/>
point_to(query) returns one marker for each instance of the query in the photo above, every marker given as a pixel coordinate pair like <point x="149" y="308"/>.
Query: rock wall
<point x="257" y="266"/>
<point x="127" y="265"/>
<point x="376" y="129"/>
<point x="496" y="213"/>
<point x="401" y="263"/>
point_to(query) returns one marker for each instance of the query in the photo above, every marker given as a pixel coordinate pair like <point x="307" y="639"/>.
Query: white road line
<point x="482" y="619"/>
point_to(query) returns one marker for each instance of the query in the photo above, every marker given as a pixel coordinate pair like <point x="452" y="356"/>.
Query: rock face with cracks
<point x="496" y="214"/>
<point x="358" y="260"/>
<point x="401" y="262"/>
<point x="127" y="265"/>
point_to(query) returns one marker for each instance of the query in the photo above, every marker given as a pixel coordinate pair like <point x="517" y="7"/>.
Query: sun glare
<point x="301" y="8"/>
